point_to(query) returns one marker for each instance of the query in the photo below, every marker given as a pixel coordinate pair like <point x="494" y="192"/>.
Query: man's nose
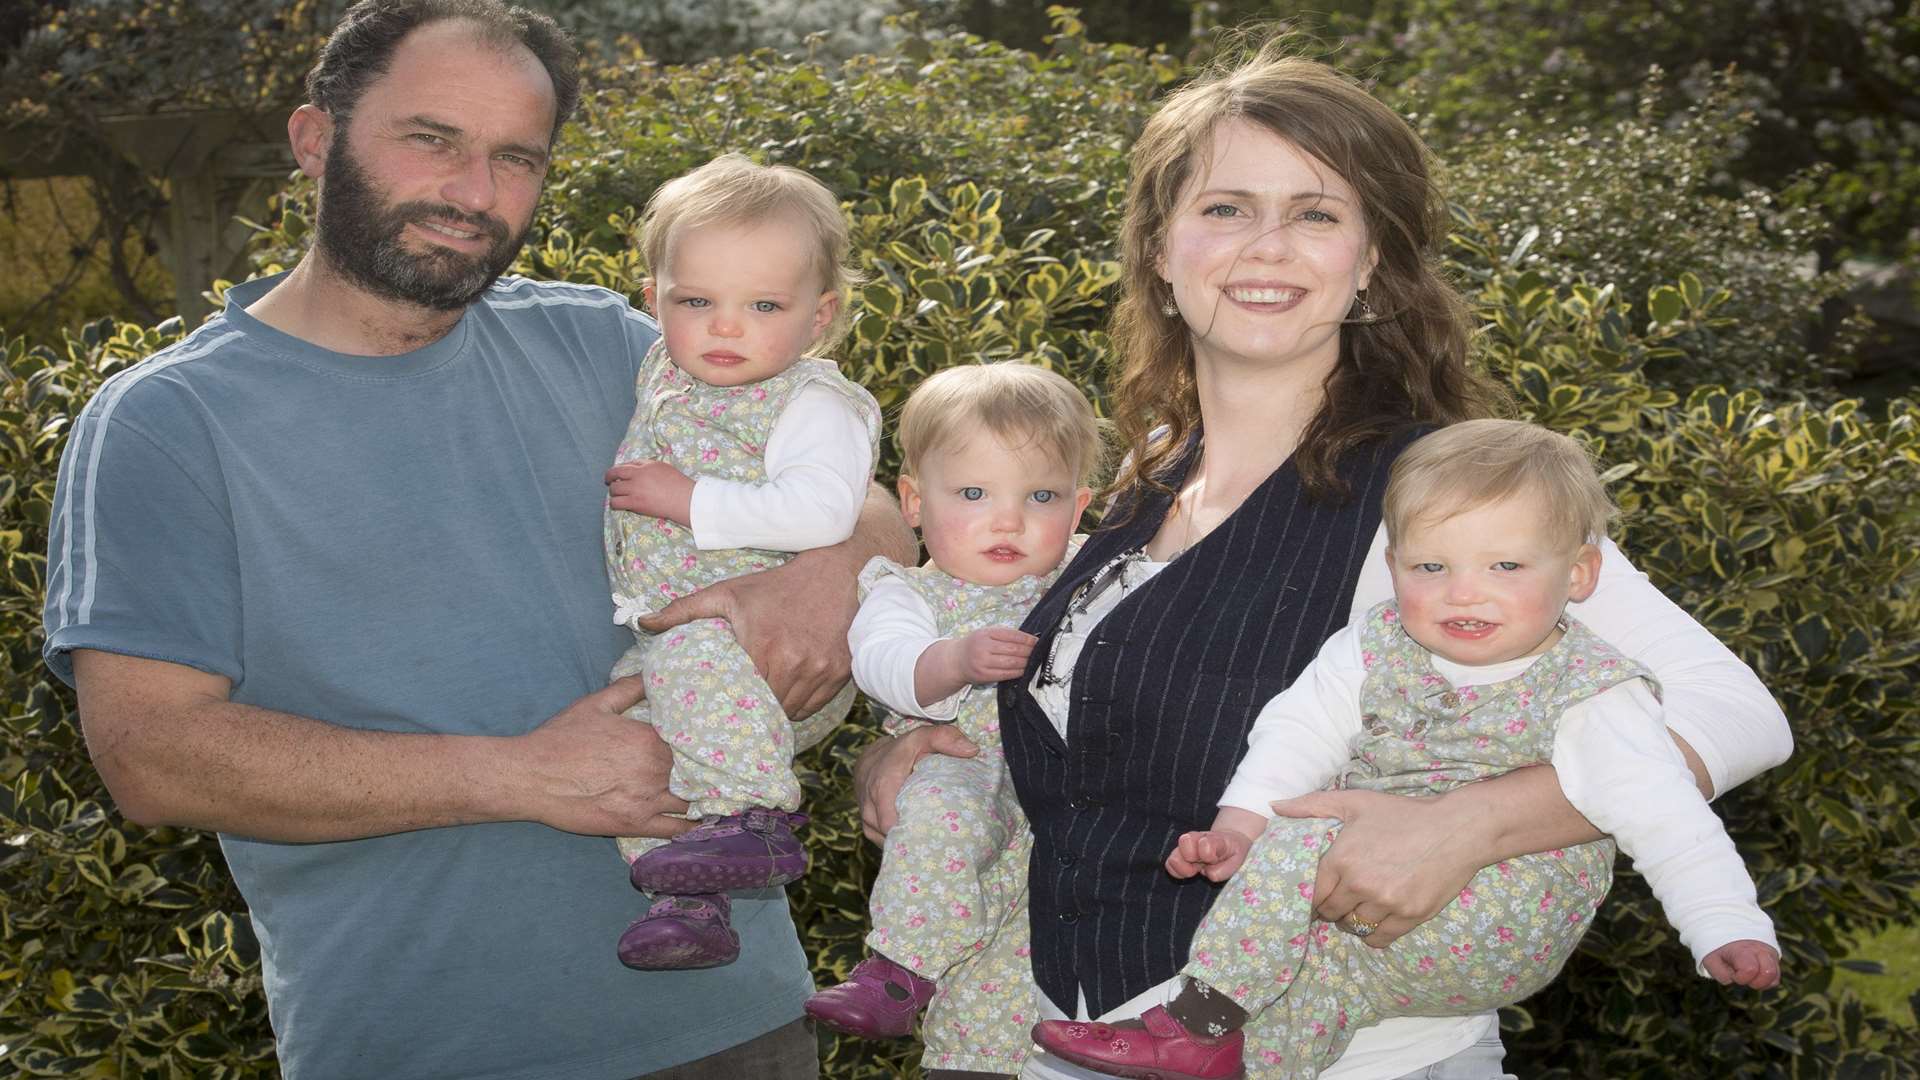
<point x="471" y="186"/>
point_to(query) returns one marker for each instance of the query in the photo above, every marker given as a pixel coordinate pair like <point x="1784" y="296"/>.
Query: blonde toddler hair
<point x="1020" y="403"/>
<point x="733" y="190"/>
<point x="1468" y="465"/>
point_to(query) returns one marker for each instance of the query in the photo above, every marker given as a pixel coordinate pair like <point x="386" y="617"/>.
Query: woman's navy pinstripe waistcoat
<point x="1163" y="697"/>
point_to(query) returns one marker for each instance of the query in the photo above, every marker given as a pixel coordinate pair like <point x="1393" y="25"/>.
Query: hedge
<point x="982" y="183"/>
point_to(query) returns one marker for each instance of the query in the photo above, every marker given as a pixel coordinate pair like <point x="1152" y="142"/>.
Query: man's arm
<point x="174" y="750"/>
<point x="793" y="619"/>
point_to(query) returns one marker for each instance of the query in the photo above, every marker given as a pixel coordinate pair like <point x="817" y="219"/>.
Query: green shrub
<point x="1637" y="203"/>
<point x="127" y="950"/>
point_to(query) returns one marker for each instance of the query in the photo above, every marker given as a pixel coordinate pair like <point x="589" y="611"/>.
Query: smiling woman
<point x="1282" y="335"/>
<point x="1268" y="258"/>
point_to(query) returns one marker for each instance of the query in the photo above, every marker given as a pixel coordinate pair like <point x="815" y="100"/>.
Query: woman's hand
<point x="1397" y="861"/>
<point x="885" y="765"/>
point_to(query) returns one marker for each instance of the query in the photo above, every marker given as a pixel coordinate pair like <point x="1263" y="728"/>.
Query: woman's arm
<point x="1398" y="859"/>
<point x="1721" y="715"/>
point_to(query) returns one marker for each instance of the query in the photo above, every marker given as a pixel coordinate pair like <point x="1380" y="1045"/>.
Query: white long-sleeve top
<point x="892" y="628"/>
<point x="1616" y="764"/>
<point x="818" y="458"/>
<point x="1710" y="699"/>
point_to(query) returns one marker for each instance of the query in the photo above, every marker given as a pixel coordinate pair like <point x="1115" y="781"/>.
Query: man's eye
<point x="1043" y="496"/>
<point x="973" y="494"/>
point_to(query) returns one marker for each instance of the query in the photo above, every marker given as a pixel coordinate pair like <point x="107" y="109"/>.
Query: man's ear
<point x="310" y="132"/>
<point x="909" y="500"/>
<point x="1584" y="576"/>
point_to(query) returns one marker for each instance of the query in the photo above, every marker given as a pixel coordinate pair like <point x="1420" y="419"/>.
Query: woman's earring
<point x="1366" y="309"/>
<point x="1168" y="307"/>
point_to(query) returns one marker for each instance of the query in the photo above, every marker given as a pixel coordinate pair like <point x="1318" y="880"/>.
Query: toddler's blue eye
<point x="1043" y="496"/>
<point x="1506" y="564"/>
<point x="1428" y="567"/>
<point x="766" y="307"/>
<point x="973" y="494"/>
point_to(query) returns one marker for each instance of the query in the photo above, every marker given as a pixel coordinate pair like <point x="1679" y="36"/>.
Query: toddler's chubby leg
<point x="1310" y="985"/>
<point x="1504" y="938"/>
<point x="732" y="761"/>
<point x="980" y="1018"/>
<point x="929" y="905"/>
<point x="732" y="745"/>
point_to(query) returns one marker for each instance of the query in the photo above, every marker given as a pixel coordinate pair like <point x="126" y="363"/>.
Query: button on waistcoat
<point x="1163" y="696"/>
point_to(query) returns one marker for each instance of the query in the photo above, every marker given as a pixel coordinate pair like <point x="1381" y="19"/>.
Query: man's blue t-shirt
<point x="403" y="543"/>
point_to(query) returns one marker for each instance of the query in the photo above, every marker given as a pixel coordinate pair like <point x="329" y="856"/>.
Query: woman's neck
<point x="1253" y="420"/>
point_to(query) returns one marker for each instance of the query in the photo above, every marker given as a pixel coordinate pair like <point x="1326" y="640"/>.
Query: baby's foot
<point x="754" y="849"/>
<point x="681" y="932"/>
<point x="1153" y="1046"/>
<point x="879" y="1000"/>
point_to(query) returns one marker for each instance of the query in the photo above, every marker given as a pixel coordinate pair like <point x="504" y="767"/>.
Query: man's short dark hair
<point x="362" y="46"/>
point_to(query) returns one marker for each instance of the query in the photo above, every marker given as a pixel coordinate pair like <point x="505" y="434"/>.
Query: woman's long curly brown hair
<point x="1407" y="366"/>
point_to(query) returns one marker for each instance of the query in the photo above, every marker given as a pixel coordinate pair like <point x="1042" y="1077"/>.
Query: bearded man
<point x="327" y="576"/>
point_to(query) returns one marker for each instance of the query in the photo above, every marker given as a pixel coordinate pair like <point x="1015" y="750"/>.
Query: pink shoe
<point x="1154" y="1047"/>
<point x="880" y="1000"/>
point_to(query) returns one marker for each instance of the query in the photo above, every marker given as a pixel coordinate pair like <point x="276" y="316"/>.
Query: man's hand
<point x="1396" y="862"/>
<point x="792" y="620"/>
<point x="591" y="770"/>
<point x="1749" y="963"/>
<point x="653" y="488"/>
<point x="1216" y="853"/>
<point x="885" y="765"/>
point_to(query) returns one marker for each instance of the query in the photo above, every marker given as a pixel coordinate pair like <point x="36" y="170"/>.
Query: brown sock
<point x="1204" y="1011"/>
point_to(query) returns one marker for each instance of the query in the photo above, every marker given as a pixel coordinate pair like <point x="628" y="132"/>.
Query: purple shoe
<point x="880" y="1000"/>
<point x="681" y="932"/>
<point x="755" y="849"/>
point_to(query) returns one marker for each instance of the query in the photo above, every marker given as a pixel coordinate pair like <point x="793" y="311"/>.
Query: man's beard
<point x="364" y="239"/>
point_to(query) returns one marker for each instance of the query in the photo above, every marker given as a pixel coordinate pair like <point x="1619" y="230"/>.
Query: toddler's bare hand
<point x="1215" y="853"/>
<point x="1749" y="963"/>
<point x="995" y="654"/>
<point x="653" y="488"/>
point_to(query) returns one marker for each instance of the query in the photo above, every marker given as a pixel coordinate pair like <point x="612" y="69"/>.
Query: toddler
<point x="1471" y="670"/>
<point x="997" y="458"/>
<point x="741" y="451"/>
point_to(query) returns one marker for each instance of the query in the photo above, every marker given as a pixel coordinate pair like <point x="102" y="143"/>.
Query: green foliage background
<point x="984" y="184"/>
